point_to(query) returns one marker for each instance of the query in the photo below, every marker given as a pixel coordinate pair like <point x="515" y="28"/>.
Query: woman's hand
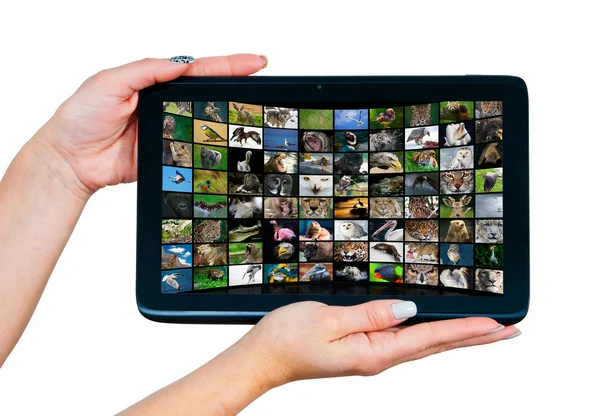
<point x="95" y="130"/>
<point x="309" y="340"/>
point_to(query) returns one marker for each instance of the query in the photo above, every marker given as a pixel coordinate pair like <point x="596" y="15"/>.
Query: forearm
<point x="38" y="211"/>
<point x="223" y="386"/>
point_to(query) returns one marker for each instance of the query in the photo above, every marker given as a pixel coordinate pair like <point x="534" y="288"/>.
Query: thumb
<point x="373" y="316"/>
<point x="123" y="81"/>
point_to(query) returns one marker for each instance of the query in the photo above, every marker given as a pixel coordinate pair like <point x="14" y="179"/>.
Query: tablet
<point x="257" y="192"/>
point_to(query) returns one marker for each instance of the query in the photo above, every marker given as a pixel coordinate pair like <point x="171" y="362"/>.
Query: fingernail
<point x="182" y="59"/>
<point x="516" y="334"/>
<point x="266" y="64"/>
<point x="403" y="310"/>
<point x="500" y="328"/>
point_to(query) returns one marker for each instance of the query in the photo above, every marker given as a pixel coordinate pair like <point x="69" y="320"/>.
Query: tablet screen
<point x="303" y="198"/>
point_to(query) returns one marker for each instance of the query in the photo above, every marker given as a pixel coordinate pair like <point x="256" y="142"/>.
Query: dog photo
<point x="351" y="119"/>
<point x="247" y="231"/>
<point x="213" y="277"/>
<point x="453" y="254"/>
<point x="386" y="118"/>
<point x="311" y="119"/>
<point x="386" y="252"/>
<point x="386" y="230"/>
<point x="355" y="230"/>
<point x="386" y="185"/>
<point x="280" y="162"/>
<point x="386" y="140"/>
<point x="181" y="108"/>
<point x="176" y="256"/>
<point x="210" y="157"/>
<point x="316" y="272"/>
<point x="245" y="275"/>
<point x="246" y="137"/>
<point x="245" y="114"/>
<point x="314" y="251"/>
<point x="386" y="273"/>
<point x="316" y="163"/>
<point x="351" y="141"/>
<point x="177" y="154"/>
<point x="421" y="115"/>
<point x="210" y="206"/>
<point x="281" y="273"/>
<point x="351" y="208"/>
<point x="245" y="253"/>
<point x="177" y="128"/>
<point x="422" y="138"/>
<point x="351" y="185"/>
<point x="215" y="111"/>
<point x="210" y="133"/>
<point x="176" y="179"/>
<point x="209" y="231"/>
<point x="281" y="207"/>
<point x="457" y="158"/>
<point x="281" y="117"/>
<point x="351" y="163"/>
<point x="176" y="281"/>
<point x="452" y="111"/>
<point x="281" y="139"/>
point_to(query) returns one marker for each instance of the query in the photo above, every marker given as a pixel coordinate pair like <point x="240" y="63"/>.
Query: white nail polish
<point x="500" y="328"/>
<point x="516" y="334"/>
<point x="403" y="310"/>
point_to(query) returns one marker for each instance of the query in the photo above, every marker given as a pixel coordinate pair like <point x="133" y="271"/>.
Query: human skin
<point x="90" y="143"/>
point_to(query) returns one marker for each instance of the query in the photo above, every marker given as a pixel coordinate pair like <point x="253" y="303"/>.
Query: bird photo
<point x="280" y="139"/>
<point x="177" y="128"/>
<point x="386" y="231"/>
<point x="244" y="165"/>
<point x="385" y="118"/>
<point x="459" y="278"/>
<point x="351" y="208"/>
<point x="247" y="137"/>
<point x="422" y="137"/>
<point x="177" y="179"/>
<point x="351" y="230"/>
<point x="176" y="282"/>
<point x="489" y="205"/>
<point x="280" y="233"/>
<point x="488" y="180"/>
<point x="386" y="162"/>
<point x="452" y="254"/>
<point x="422" y="184"/>
<point x="351" y="141"/>
<point x="281" y="273"/>
<point x="350" y="119"/>
<point x="210" y="182"/>
<point x="206" y="132"/>
<point x="351" y="185"/>
<point x="386" y="273"/>
<point x="284" y="251"/>
<point x="490" y="256"/>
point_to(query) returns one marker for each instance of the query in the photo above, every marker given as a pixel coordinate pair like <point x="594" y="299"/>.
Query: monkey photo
<point x="177" y="205"/>
<point x="245" y="183"/>
<point x="280" y="185"/>
<point x="281" y="207"/>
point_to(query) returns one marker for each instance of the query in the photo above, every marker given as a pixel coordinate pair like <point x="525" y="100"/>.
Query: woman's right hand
<point x="309" y="340"/>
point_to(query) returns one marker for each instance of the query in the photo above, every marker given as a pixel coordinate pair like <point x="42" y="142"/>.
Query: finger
<point x="371" y="316"/>
<point x="125" y="80"/>
<point x="431" y="335"/>
<point x="232" y="65"/>
<point x="504" y="333"/>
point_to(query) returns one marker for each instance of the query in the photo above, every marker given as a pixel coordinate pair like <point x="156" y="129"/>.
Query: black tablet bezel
<point x="248" y="308"/>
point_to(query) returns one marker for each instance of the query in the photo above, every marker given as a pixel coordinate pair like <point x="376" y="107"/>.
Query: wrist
<point x="54" y="171"/>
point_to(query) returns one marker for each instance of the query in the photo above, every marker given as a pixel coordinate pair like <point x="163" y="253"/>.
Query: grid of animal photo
<point x="259" y="198"/>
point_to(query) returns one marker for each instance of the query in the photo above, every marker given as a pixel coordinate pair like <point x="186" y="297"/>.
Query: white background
<point x="88" y="351"/>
